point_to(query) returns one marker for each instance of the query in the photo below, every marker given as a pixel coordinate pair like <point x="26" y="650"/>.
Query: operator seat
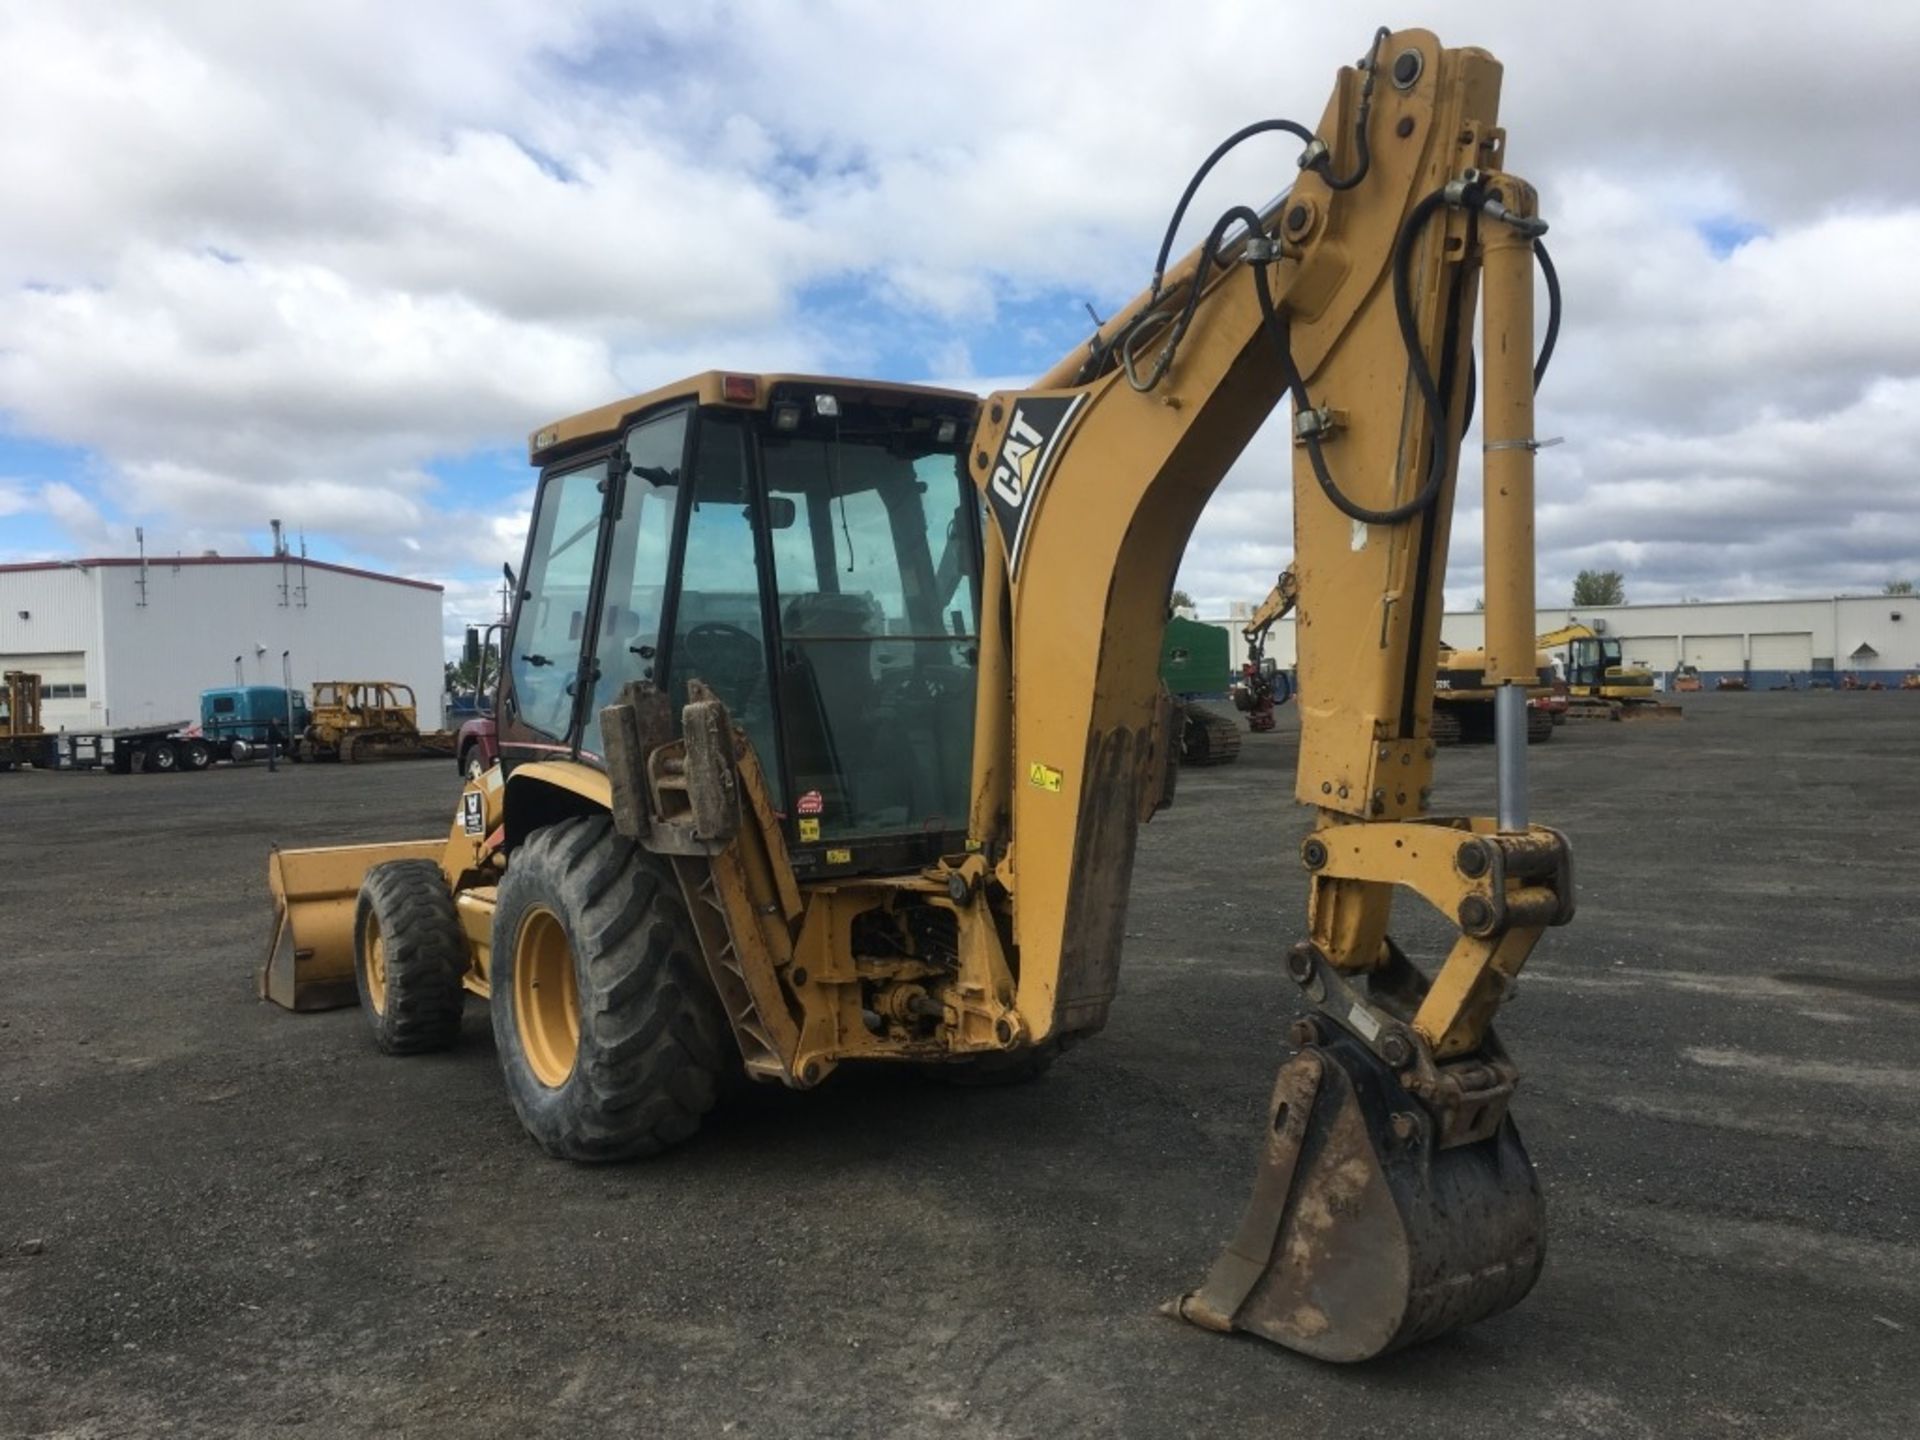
<point x="827" y="692"/>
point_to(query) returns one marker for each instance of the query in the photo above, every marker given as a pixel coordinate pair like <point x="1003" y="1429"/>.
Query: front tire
<point x="473" y="764"/>
<point x="409" y="957"/>
<point x="611" y="1038"/>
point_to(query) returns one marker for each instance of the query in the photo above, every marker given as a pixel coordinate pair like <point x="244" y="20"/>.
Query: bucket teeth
<point x="1362" y="1236"/>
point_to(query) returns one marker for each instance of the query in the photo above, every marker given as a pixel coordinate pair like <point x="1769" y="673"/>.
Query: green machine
<point x="1196" y="662"/>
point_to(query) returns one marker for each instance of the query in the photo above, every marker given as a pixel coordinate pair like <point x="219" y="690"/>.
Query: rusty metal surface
<point x="1362" y="1235"/>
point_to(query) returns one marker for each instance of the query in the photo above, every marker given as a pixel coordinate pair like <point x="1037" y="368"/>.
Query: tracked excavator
<point x="829" y="715"/>
<point x="1464" y="703"/>
<point x="1600" y="683"/>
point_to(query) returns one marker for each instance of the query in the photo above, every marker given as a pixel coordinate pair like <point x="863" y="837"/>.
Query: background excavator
<point x="829" y="714"/>
<point x="1600" y="684"/>
<point x="1263" y="687"/>
<point x="1463" y="701"/>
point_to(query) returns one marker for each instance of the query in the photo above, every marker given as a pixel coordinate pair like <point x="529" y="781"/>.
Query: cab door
<point x="588" y="612"/>
<point x="541" y="672"/>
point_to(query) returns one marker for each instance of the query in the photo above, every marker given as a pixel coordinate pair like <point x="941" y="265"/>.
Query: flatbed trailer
<point x="153" y="749"/>
<point x="127" y="749"/>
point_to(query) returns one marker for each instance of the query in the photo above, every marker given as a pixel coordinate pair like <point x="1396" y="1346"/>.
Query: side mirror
<point x="507" y="570"/>
<point x="473" y="647"/>
<point x="780" y="512"/>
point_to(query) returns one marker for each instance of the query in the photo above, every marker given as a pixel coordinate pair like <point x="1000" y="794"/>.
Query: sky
<point x="330" y="261"/>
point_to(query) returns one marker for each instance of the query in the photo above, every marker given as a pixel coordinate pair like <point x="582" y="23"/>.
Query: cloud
<point x="310" y="263"/>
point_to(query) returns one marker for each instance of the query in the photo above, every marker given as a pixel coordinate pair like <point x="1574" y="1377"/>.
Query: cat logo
<point x="1026" y="456"/>
<point x="1017" y="459"/>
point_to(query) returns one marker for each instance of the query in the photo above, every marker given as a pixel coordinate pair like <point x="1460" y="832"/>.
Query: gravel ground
<point x="220" y="1219"/>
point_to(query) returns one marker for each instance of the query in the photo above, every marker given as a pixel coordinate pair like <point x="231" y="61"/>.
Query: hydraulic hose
<point x="1220" y="151"/>
<point x="1209" y="257"/>
<point x="1436" y="408"/>
<point x="1363" y="160"/>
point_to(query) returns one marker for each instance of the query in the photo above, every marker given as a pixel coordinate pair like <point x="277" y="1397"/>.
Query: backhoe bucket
<point x="1361" y="1236"/>
<point x="310" y="962"/>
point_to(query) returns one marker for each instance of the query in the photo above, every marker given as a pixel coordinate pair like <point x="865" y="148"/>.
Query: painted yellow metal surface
<point x="1126" y="479"/>
<point x="310" y="963"/>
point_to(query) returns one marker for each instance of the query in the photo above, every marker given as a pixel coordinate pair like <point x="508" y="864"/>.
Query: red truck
<point x="476" y="748"/>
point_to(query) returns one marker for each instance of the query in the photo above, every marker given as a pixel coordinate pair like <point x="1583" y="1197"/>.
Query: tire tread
<point x="653" y="1038"/>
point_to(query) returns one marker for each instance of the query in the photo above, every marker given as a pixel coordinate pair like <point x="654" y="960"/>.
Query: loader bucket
<point x="310" y="961"/>
<point x="1361" y="1237"/>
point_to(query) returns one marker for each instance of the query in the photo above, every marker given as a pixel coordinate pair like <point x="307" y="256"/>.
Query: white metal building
<point x="132" y="642"/>
<point x="1768" y="642"/>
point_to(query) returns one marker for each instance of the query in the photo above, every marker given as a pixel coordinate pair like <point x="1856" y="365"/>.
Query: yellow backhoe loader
<point x="829" y="712"/>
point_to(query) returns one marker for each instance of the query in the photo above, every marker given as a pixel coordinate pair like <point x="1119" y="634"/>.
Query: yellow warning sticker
<point x="809" y="829"/>
<point x="1045" y="776"/>
<point x="839" y="857"/>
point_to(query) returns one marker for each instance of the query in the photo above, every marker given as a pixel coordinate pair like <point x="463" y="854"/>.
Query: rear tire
<point x="196" y="755"/>
<point x="627" y="1061"/>
<point x="473" y="764"/>
<point x="162" y="758"/>
<point x="408" y="957"/>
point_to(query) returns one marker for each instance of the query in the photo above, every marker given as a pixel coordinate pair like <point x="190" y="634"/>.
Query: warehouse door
<point x="1775" y="657"/>
<point x="63" y="681"/>
<point x="1716" y="654"/>
<point x="1659" y="653"/>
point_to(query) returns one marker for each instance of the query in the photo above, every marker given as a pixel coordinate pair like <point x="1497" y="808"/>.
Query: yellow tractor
<point x="23" y="739"/>
<point x="1463" y="702"/>
<point x="830" y="711"/>
<point x="355" y="720"/>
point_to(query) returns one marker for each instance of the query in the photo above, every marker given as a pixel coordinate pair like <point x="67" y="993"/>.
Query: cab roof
<point x="725" y="389"/>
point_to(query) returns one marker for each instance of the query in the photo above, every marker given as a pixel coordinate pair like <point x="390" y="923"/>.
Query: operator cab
<point x="1590" y="658"/>
<point x="807" y="548"/>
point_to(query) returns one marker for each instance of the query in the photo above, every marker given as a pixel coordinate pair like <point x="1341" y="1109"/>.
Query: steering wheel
<point x="725" y="656"/>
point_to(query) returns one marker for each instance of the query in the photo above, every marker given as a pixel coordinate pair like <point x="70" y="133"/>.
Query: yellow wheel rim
<point x="546" y="1003"/>
<point x="376" y="952"/>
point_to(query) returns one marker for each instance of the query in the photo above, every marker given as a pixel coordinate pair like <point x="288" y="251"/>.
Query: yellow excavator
<point x="1600" y="684"/>
<point x="830" y="711"/>
<point x="1262" y="690"/>
<point x="1464" y="703"/>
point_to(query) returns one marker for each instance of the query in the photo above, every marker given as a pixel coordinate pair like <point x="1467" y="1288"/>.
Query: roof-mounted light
<point x="786" y="416"/>
<point x="741" y="389"/>
<point x="827" y="407"/>
<point x="947" y="430"/>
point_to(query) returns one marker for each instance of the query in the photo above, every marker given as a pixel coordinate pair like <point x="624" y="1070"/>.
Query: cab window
<point x="551" y="620"/>
<point x="634" y="598"/>
<point x="718" y="636"/>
